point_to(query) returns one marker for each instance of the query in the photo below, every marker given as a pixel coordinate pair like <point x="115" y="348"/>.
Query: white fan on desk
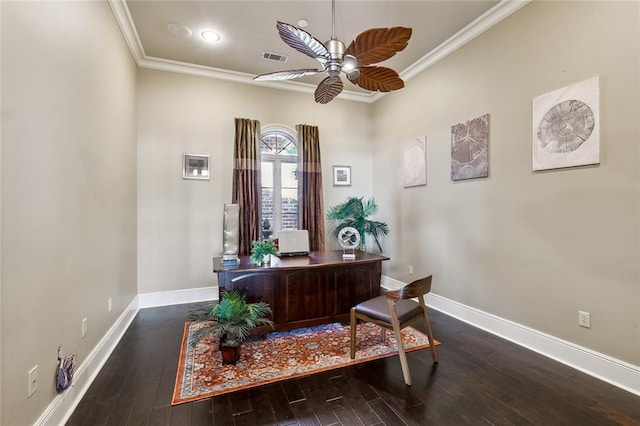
<point x="349" y="239"/>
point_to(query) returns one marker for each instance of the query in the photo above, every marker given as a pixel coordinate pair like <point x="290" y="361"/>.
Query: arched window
<point x="279" y="161"/>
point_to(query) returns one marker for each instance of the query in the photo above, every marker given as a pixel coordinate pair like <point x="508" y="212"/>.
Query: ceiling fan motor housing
<point x="336" y="49"/>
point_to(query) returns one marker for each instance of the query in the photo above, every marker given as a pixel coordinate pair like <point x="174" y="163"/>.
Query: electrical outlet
<point x="410" y="270"/>
<point x="109" y="305"/>
<point x="84" y="328"/>
<point x="32" y="381"/>
<point x="584" y="319"/>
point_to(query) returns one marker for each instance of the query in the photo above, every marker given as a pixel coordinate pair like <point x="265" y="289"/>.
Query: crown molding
<point x="484" y="22"/>
<point x="128" y="29"/>
<point x="169" y="65"/>
<point x="481" y="24"/>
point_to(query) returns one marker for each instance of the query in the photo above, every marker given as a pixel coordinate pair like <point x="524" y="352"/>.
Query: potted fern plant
<point x="355" y="213"/>
<point x="230" y="320"/>
<point x="262" y="250"/>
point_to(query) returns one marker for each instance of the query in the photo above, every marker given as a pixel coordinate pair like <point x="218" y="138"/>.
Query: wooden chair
<point x="395" y="310"/>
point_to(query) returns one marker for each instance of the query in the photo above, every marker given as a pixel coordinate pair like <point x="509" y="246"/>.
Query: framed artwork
<point x="414" y="168"/>
<point x="341" y="175"/>
<point x="195" y="166"/>
<point x="470" y="149"/>
<point x="566" y="127"/>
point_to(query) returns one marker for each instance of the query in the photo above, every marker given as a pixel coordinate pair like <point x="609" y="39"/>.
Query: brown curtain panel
<point x="246" y="181"/>
<point x="310" y="210"/>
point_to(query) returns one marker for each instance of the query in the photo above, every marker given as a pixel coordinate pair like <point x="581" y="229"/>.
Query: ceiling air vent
<point x="274" y="57"/>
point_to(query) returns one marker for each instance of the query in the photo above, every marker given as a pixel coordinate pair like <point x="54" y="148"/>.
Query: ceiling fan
<point x="370" y="47"/>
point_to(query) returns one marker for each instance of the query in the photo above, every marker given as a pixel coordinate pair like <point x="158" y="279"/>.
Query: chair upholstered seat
<point x="378" y="309"/>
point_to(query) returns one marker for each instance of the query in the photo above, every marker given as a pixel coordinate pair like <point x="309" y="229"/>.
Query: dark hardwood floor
<point x="481" y="379"/>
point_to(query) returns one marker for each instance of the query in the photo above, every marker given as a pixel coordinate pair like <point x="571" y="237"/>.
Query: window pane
<point x="267" y="174"/>
<point x="289" y="184"/>
<point x="269" y="143"/>
<point x="267" y="213"/>
<point x="289" y="208"/>
<point x="289" y="148"/>
<point x="289" y="176"/>
<point x="267" y="199"/>
<point x="276" y="143"/>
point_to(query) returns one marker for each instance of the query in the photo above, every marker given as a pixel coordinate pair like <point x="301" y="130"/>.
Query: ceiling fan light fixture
<point x="353" y="74"/>
<point x="349" y="63"/>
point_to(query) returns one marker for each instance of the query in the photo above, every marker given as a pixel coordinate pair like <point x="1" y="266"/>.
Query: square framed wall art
<point x="195" y="166"/>
<point x="341" y="175"/>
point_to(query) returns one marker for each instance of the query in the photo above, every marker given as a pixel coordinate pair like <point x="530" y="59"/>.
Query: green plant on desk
<point x="262" y="248"/>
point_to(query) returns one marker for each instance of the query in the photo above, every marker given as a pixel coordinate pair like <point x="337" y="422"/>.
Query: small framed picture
<point x="341" y="175"/>
<point x="195" y="166"/>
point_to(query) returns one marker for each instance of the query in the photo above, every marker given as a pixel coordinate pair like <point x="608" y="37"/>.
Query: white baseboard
<point x="391" y="284"/>
<point x="614" y="371"/>
<point x="177" y="297"/>
<point x="63" y="404"/>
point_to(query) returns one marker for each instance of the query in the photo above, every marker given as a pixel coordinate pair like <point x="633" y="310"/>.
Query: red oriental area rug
<point x="280" y="356"/>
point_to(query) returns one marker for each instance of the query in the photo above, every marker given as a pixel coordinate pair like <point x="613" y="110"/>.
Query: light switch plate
<point x="32" y="377"/>
<point x="584" y="319"/>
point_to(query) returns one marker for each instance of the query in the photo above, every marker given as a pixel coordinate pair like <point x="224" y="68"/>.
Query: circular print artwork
<point x="566" y="126"/>
<point x="469" y="149"/>
<point x="469" y="140"/>
<point x="414" y="170"/>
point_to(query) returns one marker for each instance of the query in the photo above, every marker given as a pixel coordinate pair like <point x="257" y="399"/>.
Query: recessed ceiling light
<point x="179" y="30"/>
<point x="210" y="36"/>
<point x="302" y="23"/>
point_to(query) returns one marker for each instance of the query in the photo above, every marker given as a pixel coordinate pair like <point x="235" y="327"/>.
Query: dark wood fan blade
<point x="303" y="42"/>
<point x="328" y="89"/>
<point x="380" y="79"/>
<point x="286" y="75"/>
<point x="378" y="44"/>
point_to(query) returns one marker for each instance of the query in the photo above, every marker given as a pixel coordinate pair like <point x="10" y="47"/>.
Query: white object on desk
<point x="349" y="239"/>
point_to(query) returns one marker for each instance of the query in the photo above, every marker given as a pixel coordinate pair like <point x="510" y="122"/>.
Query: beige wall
<point x="68" y="189"/>
<point x="180" y="221"/>
<point x="533" y="248"/>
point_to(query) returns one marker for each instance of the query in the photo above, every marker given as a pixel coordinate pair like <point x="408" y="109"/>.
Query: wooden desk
<point x="303" y="291"/>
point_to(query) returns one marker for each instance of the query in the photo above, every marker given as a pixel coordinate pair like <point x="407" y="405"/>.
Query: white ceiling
<point x="248" y="28"/>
